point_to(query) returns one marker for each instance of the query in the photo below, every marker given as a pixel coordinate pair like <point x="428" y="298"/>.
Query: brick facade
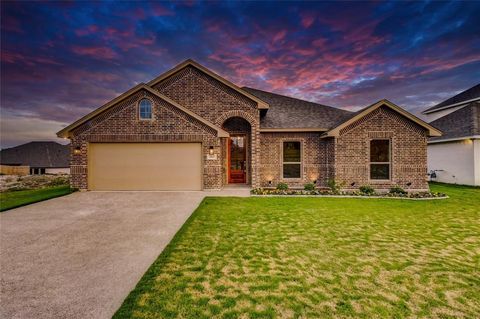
<point x="313" y="154"/>
<point x="122" y="124"/>
<point x="217" y="103"/>
<point x="408" y="151"/>
<point x="344" y="158"/>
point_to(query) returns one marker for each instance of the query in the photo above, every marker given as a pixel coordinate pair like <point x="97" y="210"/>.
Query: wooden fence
<point x="14" y="170"/>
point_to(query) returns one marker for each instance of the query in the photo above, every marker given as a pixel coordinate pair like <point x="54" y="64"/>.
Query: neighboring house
<point x="190" y="129"/>
<point x="41" y="157"/>
<point x="455" y="157"/>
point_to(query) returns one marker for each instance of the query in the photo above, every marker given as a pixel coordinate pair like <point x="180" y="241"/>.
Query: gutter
<point x="473" y="137"/>
<point x="450" y="106"/>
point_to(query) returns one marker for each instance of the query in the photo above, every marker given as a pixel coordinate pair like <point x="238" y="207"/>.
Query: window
<point x="380" y="159"/>
<point x="292" y="160"/>
<point x="145" y="109"/>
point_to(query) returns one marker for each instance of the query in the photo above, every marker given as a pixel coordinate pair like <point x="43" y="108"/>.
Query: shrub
<point x="282" y="186"/>
<point x="309" y="187"/>
<point x="334" y="186"/>
<point x="397" y="190"/>
<point x="367" y="190"/>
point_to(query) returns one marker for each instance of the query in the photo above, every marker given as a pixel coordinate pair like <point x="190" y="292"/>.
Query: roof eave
<point x="65" y="133"/>
<point x="432" y="110"/>
<point x="260" y="103"/>
<point x="453" y="139"/>
<point x="432" y="131"/>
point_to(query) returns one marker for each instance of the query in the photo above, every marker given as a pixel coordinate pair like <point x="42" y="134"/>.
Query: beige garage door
<point x="144" y="166"/>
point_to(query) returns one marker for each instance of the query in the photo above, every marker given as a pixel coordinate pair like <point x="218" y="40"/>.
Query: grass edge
<point x="70" y="191"/>
<point x="126" y="308"/>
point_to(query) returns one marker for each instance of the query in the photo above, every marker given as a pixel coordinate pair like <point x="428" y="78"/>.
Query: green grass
<point x="319" y="258"/>
<point x="9" y="200"/>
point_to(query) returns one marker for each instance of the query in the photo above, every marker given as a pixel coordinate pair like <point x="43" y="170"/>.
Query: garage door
<point x="144" y="166"/>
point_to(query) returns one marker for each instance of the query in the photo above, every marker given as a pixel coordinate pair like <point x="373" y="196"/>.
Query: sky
<point x="61" y="60"/>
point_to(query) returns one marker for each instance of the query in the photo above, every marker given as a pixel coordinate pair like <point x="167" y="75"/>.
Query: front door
<point x="237" y="159"/>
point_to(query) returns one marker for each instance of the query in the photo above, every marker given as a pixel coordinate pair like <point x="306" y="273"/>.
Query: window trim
<point x="151" y="110"/>
<point x="300" y="178"/>
<point x="390" y="163"/>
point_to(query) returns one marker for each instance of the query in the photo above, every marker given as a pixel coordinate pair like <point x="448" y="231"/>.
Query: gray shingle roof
<point x="37" y="154"/>
<point x="470" y="94"/>
<point x="461" y="123"/>
<point x="287" y="112"/>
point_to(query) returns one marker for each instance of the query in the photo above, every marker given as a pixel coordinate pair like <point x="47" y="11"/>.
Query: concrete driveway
<point x="79" y="256"/>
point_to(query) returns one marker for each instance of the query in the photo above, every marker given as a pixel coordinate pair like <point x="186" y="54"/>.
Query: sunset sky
<point x="60" y="61"/>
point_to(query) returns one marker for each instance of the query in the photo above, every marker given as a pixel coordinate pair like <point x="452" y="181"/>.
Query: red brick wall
<point x="314" y="159"/>
<point x="344" y="159"/>
<point x="215" y="102"/>
<point x="408" y="145"/>
<point x="121" y="124"/>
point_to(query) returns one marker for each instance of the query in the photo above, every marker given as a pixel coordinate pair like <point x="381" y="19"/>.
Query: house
<point x="38" y="157"/>
<point x="191" y="129"/>
<point x="455" y="156"/>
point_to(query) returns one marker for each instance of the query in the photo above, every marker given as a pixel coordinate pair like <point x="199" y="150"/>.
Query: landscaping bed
<point x="328" y="193"/>
<point x="335" y="190"/>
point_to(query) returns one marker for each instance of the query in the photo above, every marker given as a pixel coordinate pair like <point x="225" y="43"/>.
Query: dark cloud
<point x="60" y="60"/>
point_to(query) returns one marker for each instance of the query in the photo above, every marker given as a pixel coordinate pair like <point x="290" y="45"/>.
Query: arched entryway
<point x="237" y="151"/>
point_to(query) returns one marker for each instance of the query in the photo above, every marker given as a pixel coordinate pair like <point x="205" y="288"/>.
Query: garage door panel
<point x="145" y="166"/>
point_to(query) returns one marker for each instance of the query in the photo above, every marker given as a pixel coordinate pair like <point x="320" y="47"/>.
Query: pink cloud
<point x="95" y="52"/>
<point x="307" y="20"/>
<point x="279" y="36"/>
<point x="87" y="30"/>
<point x="160" y="10"/>
<point x="14" y="57"/>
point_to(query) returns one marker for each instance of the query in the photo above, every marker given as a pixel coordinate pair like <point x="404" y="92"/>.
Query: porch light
<point x="409" y="184"/>
<point x="352" y="184"/>
<point x="211" y="150"/>
<point x="315" y="181"/>
<point x="269" y="182"/>
<point x="77" y="151"/>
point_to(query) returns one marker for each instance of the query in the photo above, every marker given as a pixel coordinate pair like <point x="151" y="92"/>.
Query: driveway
<point x="78" y="256"/>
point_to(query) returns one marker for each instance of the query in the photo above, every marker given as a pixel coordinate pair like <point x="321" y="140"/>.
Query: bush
<point x="309" y="187"/>
<point x="282" y="186"/>
<point x="367" y="190"/>
<point x="334" y="186"/>
<point x="397" y="190"/>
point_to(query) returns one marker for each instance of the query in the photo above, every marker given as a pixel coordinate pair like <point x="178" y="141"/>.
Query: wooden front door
<point x="237" y="159"/>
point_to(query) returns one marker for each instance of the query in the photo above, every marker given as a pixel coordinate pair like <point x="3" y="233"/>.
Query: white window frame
<point x="301" y="161"/>
<point x="389" y="157"/>
<point x="151" y="110"/>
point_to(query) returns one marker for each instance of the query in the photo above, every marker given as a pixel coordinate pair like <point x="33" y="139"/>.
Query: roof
<point x="466" y="96"/>
<point x="335" y="131"/>
<point x="260" y="103"/>
<point x="37" y="154"/>
<point x="464" y="122"/>
<point x="142" y="86"/>
<point x="288" y="113"/>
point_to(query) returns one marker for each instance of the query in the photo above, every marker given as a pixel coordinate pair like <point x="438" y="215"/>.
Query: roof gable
<point x="432" y="131"/>
<point x="470" y="95"/>
<point x="260" y="103"/>
<point x="142" y="86"/>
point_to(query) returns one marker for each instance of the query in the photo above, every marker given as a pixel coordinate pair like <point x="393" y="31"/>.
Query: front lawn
<point x="319" y="258"/>
<point x="13" y="199"/>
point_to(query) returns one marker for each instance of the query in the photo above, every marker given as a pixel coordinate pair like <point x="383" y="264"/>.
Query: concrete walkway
<point x="78" y="256"/>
